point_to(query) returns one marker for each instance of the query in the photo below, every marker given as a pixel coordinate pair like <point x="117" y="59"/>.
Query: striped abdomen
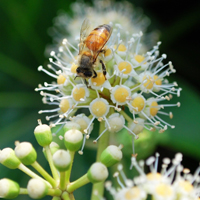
<point x="98" y="37"/>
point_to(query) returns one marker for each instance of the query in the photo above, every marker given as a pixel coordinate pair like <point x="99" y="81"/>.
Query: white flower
<point x="134" y="80"/>
<point x="168" y="184"/>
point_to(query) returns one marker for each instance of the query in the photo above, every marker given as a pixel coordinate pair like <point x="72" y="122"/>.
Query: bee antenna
<point x="75" y="77"/>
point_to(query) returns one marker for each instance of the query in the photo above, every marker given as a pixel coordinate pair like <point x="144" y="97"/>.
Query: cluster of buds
<point x="133" y="90"/>
<point x="60" y="161"/>
<point x="173" y="182"/>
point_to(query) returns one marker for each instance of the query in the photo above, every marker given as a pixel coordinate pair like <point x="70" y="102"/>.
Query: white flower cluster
<point x="168" y="184"/>
<point x="135" y="83"/>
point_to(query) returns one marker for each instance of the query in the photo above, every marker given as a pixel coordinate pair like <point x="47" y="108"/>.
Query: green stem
<point x="71" y="196"/>
<point x="62" y="180"/>
<point x="50" y="160"/>
<point x="27" y="171"/>
<point x="23" y="191"/>
<point x="116" y="81"/>
<point x="65" y="196"/>
<point x="68" y="172"/>
<point x="102" y="144"/>
<point x="38" y="167"/>
<point x="126" y="116"/>
<point x="78" y="183"/>
<point x="54" y="192"/>
<point x="56" y="198"/>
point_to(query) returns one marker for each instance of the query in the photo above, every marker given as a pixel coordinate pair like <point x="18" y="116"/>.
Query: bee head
<point x="83" y="72"/>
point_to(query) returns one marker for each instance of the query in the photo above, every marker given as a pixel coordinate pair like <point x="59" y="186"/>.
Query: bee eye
<point x="78" y="70"/>
<point x="88" y="73"/>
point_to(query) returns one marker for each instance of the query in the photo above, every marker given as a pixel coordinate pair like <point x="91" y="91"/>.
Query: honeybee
<point x="91" y="45"/>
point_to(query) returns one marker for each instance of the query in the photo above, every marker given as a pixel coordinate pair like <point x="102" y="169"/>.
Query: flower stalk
<point x="50" y="160"/>
<point x="39" y="168"/>
<point x="102" y="144"/>
<point x="78" y="183"/>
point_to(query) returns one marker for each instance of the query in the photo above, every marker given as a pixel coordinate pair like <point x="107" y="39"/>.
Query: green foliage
<point x="23" y="40"/>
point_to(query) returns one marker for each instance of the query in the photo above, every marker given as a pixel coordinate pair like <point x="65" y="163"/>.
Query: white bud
<point x="98" y="172"/>
<point x="73" y="139"/>
<point x="9" y="189"/>
<point x="9" y="159"/>
<point x="111" y="155"/>
<point x="43" y="134"/>
<point x="62" y="160"/>
<point x="26" y="153"/>
<point x="37" y="189"/>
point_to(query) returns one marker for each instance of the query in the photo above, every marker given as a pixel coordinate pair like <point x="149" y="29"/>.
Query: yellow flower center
<point x="99" y="80"/>
<point x="125" y="65"/>
<point x="154" y="110"/>
<point x="148" y="82"/>
<point x="164" y="190"/>
<point x="108" y="52"/>
<point x="121" y="94"/>
<point x="61" y="79"/>
<point x="138" y="103"/>
<point x="153" y="176"/>
<point x="187" y="186"/>
<point x="132" y="193"/>
<point x="139" y="58"/>
<point x="78" y="93"/>
<point x="73" y="68"/>
<point x="157" y="80"/>
<point x="121" y="47"/>
<point x="99" y="108"/>
<point x="64" y="105"/>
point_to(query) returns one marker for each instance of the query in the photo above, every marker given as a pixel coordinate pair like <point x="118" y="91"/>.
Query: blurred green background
<point x="23" y="38"/>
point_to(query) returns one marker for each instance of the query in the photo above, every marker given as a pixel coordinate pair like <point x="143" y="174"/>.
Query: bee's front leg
<point x="95" y="74"/>
<point x="103" y="68"/>
<point x="86" y="82"/>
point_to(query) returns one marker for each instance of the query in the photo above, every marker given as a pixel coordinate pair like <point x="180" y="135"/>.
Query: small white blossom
<point x="168" y="184"/>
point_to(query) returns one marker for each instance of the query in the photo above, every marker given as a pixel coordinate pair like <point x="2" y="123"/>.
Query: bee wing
<point x="84" y="33"/>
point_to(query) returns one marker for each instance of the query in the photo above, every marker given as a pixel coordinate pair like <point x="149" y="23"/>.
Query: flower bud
<point x="26" y="153"/>
<point x="37" y="189"/>
<point x="9" y="189"/>
<point x="9" y="159"/>
<point x="53" y="148"/>
<point x="73" y="139"/>
<point x="111" y="155"/>
<point x="71" y="125"/>
<point x="98" y="172"/>
<point x="43" y="135"/>
<point x="62" y="160"/>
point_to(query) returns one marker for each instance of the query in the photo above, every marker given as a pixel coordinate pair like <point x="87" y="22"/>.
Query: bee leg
<point x="103" y="50"/>
<point x="86" y="83"/>
<point x="95" y="74"/>
<point x="103" y="68"/>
